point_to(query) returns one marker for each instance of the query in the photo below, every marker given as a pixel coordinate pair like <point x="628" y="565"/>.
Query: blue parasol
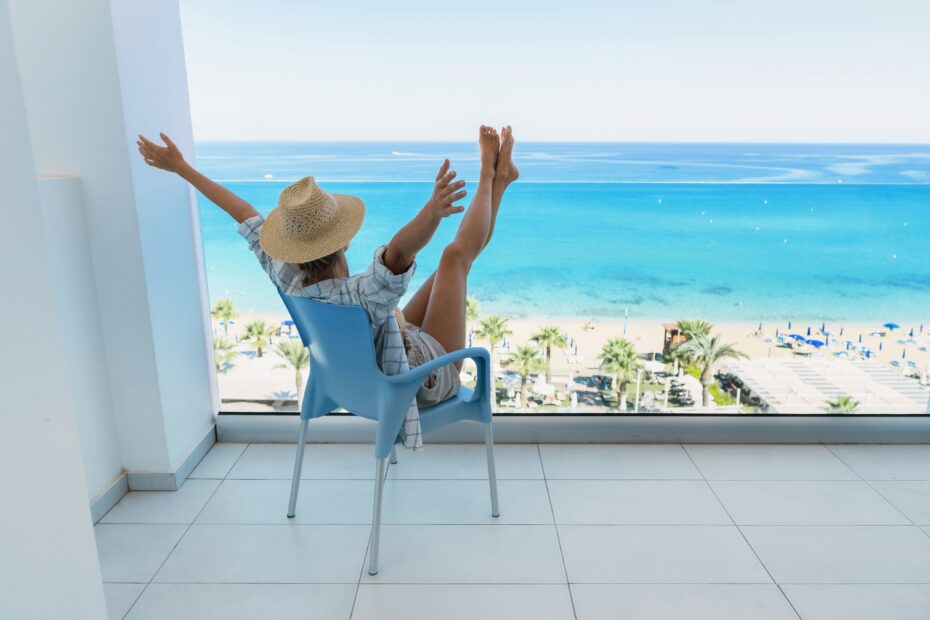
<point x="797" y="337"/>
<point x="891" y="325"/>
<point x="815" y="343"/>
<point x="808" y="330"/>
<point x="287" y="323"/>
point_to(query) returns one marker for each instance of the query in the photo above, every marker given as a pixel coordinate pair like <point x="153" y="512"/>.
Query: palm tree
<point x="618" y="357"/>
<point x="471" y="309"/>
<point x="549" y="337"/>
<point x="695" y="327"/>
<point x="258" y="333"/>
<point x="524" y="361"/>
<point x="225" y="311"/>
<point x="297" y="357"/>
<point x="493" y="329"/>
<point x="843" y="404"/>
<point x="223" y="352"/>
<point x="706" y="351"/>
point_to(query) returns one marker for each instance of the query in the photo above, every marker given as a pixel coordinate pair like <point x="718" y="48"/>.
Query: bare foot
<point x="490" y="144"/>
<point x="506" y="170"/>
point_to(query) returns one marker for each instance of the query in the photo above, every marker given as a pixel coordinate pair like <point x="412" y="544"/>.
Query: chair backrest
<point x="342" y="351"/>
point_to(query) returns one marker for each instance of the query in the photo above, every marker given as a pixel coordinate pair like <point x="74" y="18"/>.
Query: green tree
<point x="223" y="352"/>
<point x="618" y="357"/>
<point x="706" y="352"/>
<point x="843" y="404"/>
<point x="548" y="337"/>
<point x="493" y="329"/>
<point x="225" y="311"/>
<point x="258" y="333"/>
<point x="297" y="357"/>
<point x="525" y="361"/>
<point x="471" y="310"/>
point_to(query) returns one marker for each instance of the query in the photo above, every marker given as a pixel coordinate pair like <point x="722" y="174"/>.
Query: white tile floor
<point x="592" y="532"/>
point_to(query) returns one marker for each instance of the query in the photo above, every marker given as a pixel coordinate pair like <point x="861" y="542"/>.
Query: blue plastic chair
<point x="344" y="373"/>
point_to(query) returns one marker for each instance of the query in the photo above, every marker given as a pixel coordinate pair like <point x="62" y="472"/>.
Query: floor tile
<point x="463" y="602"/>
<point x="658" y="554"/>
<point x="218" y="461"/>
<point x="635" y="502"/>
<point x="133" y="552"/>
<point x="467" y="461"/>
<point x="681" y="602"/>
<point x="842" y="554"/>
<point x="832" y="502"/>
<point x="912" y="497"/>
<point x="860" y="602"/>
<point x="768" y="462"/>
<point x="887" y="462"/>
<point x="464" y="502"/>
<point x="179" y="506"/>
<point x="625" y="461"/>
<point x="244" y="602"/>
<point x="321" y="460"/>
<point x="120" y="597"/>
<point x="469" y="554"/>
<point x="266" y="502"/>
<point x="267" y="554"/>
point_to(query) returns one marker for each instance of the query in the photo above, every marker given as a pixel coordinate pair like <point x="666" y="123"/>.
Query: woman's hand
<point x="165" y="157"/>
<point x="445" y="192"/>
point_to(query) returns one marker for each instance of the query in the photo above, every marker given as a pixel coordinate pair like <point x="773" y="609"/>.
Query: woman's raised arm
<point x="413" y="237"/>
<point x="169" y="158"/>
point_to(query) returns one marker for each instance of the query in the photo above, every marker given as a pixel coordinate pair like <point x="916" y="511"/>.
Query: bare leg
<point x="444" y="318"/>
<point x="505" y="174"/>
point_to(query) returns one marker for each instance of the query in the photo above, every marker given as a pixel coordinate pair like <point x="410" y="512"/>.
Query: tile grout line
<point x="558" y="536"/>
<point x="740" y="530"/>
<point x="879" y="493"/>
<point x="187" y="529"/>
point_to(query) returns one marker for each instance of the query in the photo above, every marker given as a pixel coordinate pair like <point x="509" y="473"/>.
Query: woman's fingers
<point x="452" y="187"/>
<point x="448" y="200"/>
<point x="167" y="141"/>
<point x="445" y="180"/>
<point x="442" y="169"/>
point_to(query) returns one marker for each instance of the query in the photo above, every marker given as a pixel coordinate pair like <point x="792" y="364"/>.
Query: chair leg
<point x="394" y="454"/>
<point x="298" y="465"/>
<point x="380" y="473"/>
<point x="492" y="472"/>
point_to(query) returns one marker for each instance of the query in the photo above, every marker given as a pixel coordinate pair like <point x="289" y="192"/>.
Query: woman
<point x="302" y="247"/>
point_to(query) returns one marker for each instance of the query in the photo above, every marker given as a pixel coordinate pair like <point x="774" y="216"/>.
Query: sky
<point x="659" y="71"/>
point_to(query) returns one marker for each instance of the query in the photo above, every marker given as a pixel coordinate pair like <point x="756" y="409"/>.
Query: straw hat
<point x="309" y="223"/>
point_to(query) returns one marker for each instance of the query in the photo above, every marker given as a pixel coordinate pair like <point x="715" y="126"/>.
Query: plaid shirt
<point x="377" y="290"/>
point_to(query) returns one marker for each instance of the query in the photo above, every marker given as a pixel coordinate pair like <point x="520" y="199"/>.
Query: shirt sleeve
<point x="284" y="275"/>
<point x="379" y="289"/>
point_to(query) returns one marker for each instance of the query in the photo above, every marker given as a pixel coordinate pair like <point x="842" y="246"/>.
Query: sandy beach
<point x="249" y="379"/>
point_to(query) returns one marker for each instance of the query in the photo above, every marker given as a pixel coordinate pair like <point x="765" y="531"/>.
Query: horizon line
<point x="637" y="142"/>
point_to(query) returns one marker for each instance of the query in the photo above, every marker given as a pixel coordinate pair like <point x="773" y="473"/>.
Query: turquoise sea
<point x="718" y="231"/>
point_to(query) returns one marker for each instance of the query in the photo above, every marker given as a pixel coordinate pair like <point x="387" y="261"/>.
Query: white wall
<point x="49" y="566"/>
<point x="82" y="337"/>
<point x="93" y="77"/>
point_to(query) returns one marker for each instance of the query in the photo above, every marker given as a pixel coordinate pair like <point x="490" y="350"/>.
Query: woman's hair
<point x="326" y="268"/>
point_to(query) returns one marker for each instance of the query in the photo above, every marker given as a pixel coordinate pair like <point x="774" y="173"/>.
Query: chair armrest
<point x="419" y="374"/>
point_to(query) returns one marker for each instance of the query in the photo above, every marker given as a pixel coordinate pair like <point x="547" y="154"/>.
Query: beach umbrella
<point x="860" y="338"/>
<point x="841" y="330"/>
<point x="921" y="328"/>
<point x="287" y="323"/>
<point x="880" y="345"/>
<point x="760" y="327"/>
<point x="823" y="327"/>
<point x="815" y="343"/>
<point x="797" y="337"/>
<point x="789" y="325"/>
<point x="828" y="340"/>
<point x="891" y="325"/>
<point x="910" y="334"/>
<point x="903" y="353"/>
<point x="808" y="330"/>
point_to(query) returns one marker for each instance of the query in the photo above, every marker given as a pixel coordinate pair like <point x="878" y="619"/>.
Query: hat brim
<point x="349" y="217"/>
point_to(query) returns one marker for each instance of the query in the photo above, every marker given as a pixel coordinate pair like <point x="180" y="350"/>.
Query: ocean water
<point x="723" y="232"/>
